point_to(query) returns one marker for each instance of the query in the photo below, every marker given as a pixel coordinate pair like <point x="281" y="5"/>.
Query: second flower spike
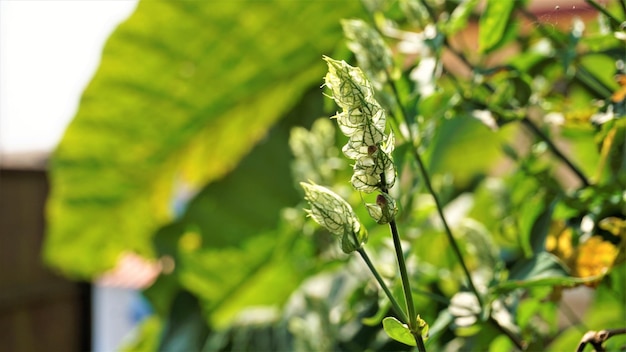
<point x="335" y="214"/>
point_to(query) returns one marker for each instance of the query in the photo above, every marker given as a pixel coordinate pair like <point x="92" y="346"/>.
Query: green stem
<point x="595" y="86"/>
<point x="598" y="88"/>
<point x="521" y="345"/>
<point x="382" y="284"/>
<point x="431" y="190"/>
<point x="605" y="12"/>
<point x="419" y="341"/>
<point x="406" y="284"/>
<point x="528" y="123"/>
<point x="448" y="231"/>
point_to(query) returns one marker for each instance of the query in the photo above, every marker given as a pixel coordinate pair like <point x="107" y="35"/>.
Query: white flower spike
<point x="363" y="121"/>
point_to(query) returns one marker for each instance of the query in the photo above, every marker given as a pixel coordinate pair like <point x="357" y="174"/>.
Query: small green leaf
<point x="534" y="224"/>
<point x="457" y="136"/>
<point x="398" y="331"/>
<point x="493" y="23"/>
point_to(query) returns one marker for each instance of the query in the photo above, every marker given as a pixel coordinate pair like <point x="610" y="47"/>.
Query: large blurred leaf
<point x="232" y="248"/>
<point x="184" y="90"/>
<point x="184" y="330"/>
<point x="464" y="148"/>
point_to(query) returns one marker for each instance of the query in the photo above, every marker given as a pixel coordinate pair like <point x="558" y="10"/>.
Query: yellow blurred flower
<point x="559" y="241"/>
<point x="594" y="257"/>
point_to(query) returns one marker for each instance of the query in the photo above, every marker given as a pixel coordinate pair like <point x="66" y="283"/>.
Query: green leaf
<point x="464" y="148"/>
<point x="145" y="337"/>
<point x="398" y="331"/>
<point x="377" y="318"/>
<point x="541" y="265"/>
<point x="534" y="223"/>
<point x="185" y="89"/>
<point x="544" y="269"/>
<point x="541" y="229"/>
<point x="493" y="23"/>
<point x="228" y="280"/>
<point x="184" y="330"/>
<point x="460" y="16"/>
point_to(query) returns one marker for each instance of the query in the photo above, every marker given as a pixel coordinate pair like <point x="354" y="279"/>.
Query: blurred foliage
<point x="184" y="91"/>
<point x="192" y="135"/>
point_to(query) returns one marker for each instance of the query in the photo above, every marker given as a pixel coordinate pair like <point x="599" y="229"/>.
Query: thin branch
<point x="605" y="12"/>
<point x="553" y="148"/>
<point x="521" y="345"/>
<point x="537" y="131"/>
<point x="597" y="87"/>
<point x="598" y="338"/>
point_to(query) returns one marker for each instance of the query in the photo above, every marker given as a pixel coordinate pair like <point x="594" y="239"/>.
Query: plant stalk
<point x="394" y="303"/>
<point x="406" y="284"/>
<point x="448" y="231"/>
<point x="605" y="12"/>
<point x="598" y="338"/>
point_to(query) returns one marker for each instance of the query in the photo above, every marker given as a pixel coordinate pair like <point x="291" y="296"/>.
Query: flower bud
<point x="384" y="210"/>
<point x="333" y="213"/>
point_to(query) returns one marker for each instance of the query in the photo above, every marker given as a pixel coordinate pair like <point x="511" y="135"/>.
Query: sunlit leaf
<point x="232" y="243"/>
<point x="185" y="89"/>
<point x="147" y="335"/>
<point x="398" y="331"/>
<point x="541" y="265"/>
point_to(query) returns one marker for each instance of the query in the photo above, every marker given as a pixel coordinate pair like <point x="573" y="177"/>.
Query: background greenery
<point x="181" y="149"/>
